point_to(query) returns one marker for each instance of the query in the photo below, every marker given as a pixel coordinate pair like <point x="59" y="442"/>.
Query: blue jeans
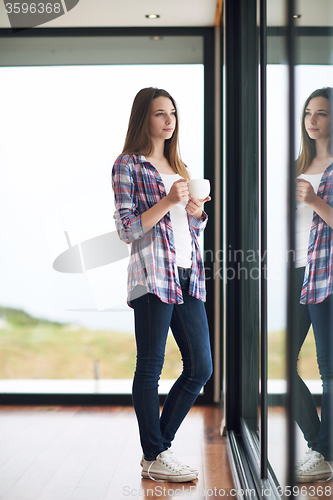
<point x="317" y="432"/>
<point x="189" y="326"/>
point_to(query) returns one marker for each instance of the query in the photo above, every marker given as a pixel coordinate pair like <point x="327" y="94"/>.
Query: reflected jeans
<point x="189" y="326"/>
<point x="317" y="432"/>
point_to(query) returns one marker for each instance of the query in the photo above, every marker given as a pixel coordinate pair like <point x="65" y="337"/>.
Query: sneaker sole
<point x="190" y="470"/>
<point x="170" y="479"/>
<point x="312" y="479"/>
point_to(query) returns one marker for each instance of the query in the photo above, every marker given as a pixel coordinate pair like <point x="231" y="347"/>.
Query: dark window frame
<point x="245" y="228"/>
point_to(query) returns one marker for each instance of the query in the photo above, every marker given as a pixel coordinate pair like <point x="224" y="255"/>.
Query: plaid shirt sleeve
<point x="127" y="218"/>
<point x="197" y="226"/>
<point x="318" y="284"/>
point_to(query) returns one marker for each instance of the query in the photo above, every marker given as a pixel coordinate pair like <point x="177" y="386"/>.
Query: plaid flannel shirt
<point x="317" y="285"/>
<point x="137" y="187"/>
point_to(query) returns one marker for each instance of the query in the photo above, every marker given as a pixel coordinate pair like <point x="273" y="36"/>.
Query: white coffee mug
<point x="200" y="188"/>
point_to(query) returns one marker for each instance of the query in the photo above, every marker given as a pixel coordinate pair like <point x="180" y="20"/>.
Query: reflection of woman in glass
<point x="166" y="281"/>
<point x="314" y="268"/>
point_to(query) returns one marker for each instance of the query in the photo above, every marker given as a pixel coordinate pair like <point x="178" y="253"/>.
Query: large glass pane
<point x="313" y="71"/>
<point x="314" y="159"/>
<point x="64" y="322"/>
<point x="277" y="253"/>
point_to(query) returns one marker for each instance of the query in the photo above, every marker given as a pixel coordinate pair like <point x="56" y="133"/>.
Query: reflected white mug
<point x="200" y="188"/>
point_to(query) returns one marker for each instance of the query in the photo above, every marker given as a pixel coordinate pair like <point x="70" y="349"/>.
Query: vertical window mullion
<point x="291" y="296"/>
<point x="263" y="237"/>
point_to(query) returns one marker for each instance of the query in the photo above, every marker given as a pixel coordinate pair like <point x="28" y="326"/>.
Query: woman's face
<point x="317" y="119"/>
<point x="162" y="120"/>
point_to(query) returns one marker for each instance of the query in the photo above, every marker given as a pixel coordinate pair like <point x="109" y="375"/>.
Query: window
<point x="62" y="127"/>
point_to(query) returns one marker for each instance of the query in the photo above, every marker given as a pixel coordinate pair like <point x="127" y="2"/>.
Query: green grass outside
<point x="33" y="348"/>
<point x="59" y="352"/>
<point x="307" y="365"/>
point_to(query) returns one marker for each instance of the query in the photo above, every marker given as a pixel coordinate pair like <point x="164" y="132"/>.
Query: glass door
<point x="313" y="106"/>
<point x="275" y="134"/>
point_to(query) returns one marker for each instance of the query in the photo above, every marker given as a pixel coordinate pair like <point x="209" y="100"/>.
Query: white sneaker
<point x="186" y="467"/>
<point x="315" y="469"/>
<point x="165" y="468"/>
<point x="303" y="461"/>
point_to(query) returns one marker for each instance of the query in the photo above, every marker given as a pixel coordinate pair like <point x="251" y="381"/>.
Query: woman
<point x="314" y="261"/>
<point x="166" y="281"/>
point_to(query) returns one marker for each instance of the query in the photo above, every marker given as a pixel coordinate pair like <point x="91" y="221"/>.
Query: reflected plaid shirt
<point x="137" y="187"/>
<point x="317" y="285"/>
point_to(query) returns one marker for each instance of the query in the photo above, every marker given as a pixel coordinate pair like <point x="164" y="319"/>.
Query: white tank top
<point x="304" y="216"/>
<point x="180" y="226"/>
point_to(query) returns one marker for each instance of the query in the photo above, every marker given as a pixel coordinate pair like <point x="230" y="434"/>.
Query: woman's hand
<point x="178" y="192"/>
<point x="194" y="206"/>
<point x="305" y="192"/>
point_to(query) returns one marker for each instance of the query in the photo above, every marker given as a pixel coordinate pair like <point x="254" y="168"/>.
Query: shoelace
<point x="169" y="462"/>
<point x="174" y="459"/>
<point x="314" y="460"/>
<point x="305" y="459"/>
<point x="150" y="477"/>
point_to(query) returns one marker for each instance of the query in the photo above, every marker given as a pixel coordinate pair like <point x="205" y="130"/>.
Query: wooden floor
<point x="93" y="453"/>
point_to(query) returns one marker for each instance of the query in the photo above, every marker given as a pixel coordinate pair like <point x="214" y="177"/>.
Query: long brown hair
<point x="138" y="138"/>
<point x="308" y="145"/>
